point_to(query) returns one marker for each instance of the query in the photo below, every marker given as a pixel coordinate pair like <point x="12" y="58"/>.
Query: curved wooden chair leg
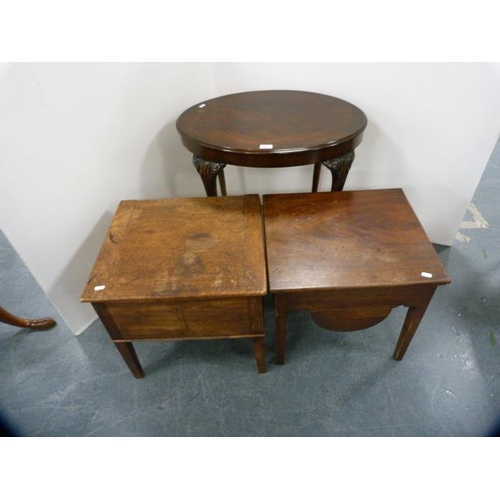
<point x="33" y="324"/>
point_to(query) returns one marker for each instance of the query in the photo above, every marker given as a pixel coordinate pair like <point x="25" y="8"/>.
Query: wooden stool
<point x="349" y="258"/>
<point x="180" y="269"/>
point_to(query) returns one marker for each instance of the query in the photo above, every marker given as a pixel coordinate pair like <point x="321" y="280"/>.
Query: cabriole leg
<point x="209" y="171"/>
<point x="339" y="167"/>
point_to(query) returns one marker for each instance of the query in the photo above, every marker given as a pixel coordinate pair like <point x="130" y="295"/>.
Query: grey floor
<point x="55" y="384"/>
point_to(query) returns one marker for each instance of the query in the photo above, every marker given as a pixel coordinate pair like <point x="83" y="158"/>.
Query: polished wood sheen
<point x="349" y="258"/>
<point x="175" y="269"/>
<point x="272" y="128"/>
<point x="32" y="324"/>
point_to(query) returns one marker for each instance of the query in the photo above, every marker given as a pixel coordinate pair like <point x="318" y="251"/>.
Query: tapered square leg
<point x="129" y="355"/>
<point x="259" y="347"/>
<point x="281" y="328"/>
<point x="413" y="318"/>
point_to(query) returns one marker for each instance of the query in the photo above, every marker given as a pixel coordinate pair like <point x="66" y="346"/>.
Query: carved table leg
<point x="33" y="324"/>
<point x="209" y="171"/>
<point x="316" y="176"/>
<point x="339" y="167"/>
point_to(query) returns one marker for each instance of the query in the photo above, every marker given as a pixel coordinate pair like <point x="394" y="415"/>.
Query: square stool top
<point x="181" y="248"/>
<point x="349" y="239"/>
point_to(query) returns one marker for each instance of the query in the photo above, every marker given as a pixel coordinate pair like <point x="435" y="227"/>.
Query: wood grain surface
<point x="271" y="128"/>
<point x="347" y="239"/>
<point x="181" y="248"/>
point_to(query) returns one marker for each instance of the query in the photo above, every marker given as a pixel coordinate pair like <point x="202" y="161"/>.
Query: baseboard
<point x="83" y="328"/>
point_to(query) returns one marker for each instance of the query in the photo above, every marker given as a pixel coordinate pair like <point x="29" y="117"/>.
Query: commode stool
<point x="176" y="269"/>
<point x="349" y="258"/>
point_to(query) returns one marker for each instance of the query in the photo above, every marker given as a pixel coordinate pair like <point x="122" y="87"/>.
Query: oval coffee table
<point x="272" y="128"/>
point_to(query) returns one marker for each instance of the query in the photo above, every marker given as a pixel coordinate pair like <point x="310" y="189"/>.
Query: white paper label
<point x="426" y="275"/>
<point x="98" y="288"/>
<point x="265" y="146"/>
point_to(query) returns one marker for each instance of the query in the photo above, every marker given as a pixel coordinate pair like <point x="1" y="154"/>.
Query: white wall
<point x="79" y="137"/>
<point x="431" y="128"/>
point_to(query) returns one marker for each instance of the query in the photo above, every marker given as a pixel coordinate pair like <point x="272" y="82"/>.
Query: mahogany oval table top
<point x="271" y="128"/>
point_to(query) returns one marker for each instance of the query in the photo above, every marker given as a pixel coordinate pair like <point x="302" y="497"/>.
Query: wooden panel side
<point x="183" y="319"/>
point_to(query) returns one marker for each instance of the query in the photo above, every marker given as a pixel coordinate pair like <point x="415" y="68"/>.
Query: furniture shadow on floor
<point x="228" y="354"/>
<point x="306" y="339"/>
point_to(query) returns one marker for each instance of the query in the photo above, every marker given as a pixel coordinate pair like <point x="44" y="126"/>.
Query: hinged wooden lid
<point x="181" y="248"/>
<point x="347" y="239"/>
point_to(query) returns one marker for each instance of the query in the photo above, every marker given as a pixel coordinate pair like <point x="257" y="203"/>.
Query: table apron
<point x="171" y="320"/>
<point x="274" y="159"/>
<point x="409" y="296"/>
